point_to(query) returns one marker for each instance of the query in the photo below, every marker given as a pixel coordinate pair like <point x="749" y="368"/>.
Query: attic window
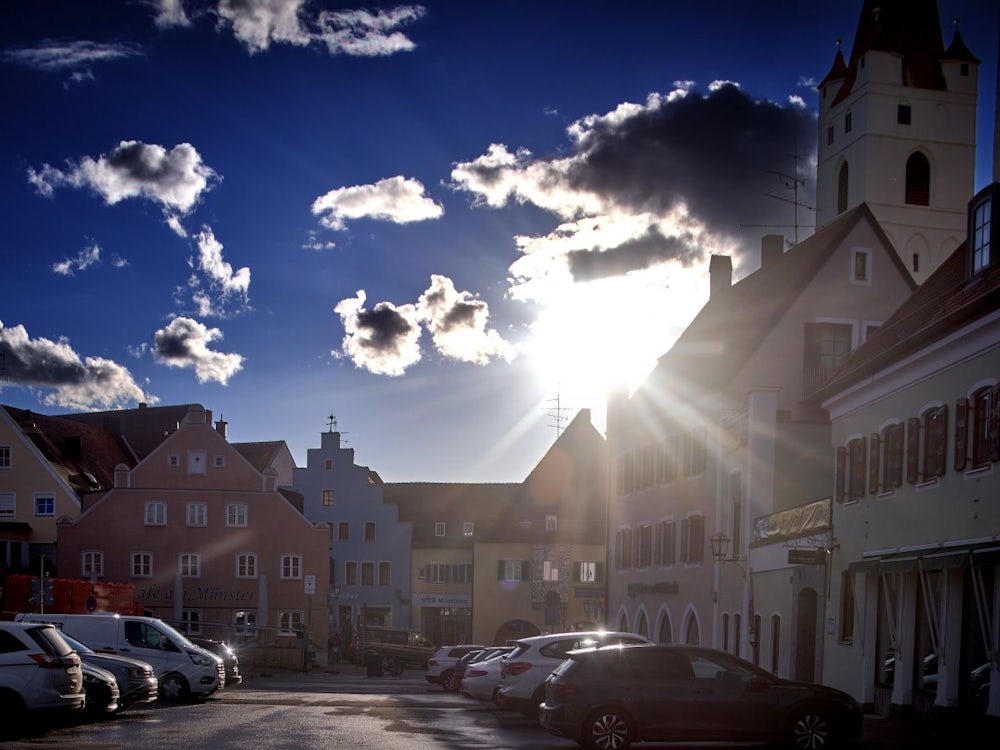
<point x="551" y="523"/>
<point x="467" y="528"/>
<point x="979" y="237"/>
<point x="861" y="266"/>
<point x="848" y="121"/>
<point x="173" y="460"/>
<point x="904" y="114"/>
<point x="439" y="528"/>
<point x="219" y="461"/>
<point x="964" y="70"/>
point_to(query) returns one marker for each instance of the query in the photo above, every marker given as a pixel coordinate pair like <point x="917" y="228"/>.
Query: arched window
<point x="842" y="189"/>
<point x="642" y="628"/>
<point x="666" y="631"/>
<point x="692" y="635"/>
<point x="918" y="180"/>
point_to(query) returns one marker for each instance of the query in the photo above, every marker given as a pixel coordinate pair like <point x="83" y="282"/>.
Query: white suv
<point x="441" y="666"/>
<point x="522" y="676"/>
<point x="38" y="670"/>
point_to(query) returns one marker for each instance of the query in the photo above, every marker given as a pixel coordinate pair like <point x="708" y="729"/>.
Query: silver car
<point x="136" y="679"/>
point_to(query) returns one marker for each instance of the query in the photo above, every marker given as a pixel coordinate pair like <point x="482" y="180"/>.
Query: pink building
<point x="211" y="543"/>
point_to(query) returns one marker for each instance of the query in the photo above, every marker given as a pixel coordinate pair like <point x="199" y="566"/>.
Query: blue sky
<point x="436" y="222"/>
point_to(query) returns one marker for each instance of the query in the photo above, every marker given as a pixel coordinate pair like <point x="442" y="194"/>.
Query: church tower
<point x="897" y="130"/>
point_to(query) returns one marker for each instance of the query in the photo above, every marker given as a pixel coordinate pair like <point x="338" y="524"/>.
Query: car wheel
<point x="811" y="730"/>
<point x="450" y="682"/>
<point x="174" y="687"/>
<point x="531" y="711"/>
<point x="608" y="729"/>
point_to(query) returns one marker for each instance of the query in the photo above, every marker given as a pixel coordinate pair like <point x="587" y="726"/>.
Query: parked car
<point x="405" y="648"/>
<point x="482" y="679"/>
<point x="441" y="666"/>
<point x="608" y="698"/>
<point x="476" y="657"/>
<point x="38" y="671"/>
<point x="523" y="673"/>
<point x="229" y="658"/>
<point x="101" y="690"/>
<point x="136" y="679"/>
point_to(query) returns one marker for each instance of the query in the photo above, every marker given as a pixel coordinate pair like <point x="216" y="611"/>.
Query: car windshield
<point x="74" y="644"/>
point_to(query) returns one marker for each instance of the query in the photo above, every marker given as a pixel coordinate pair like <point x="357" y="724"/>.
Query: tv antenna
<point x="557" y="412"/>
<point x="789" y="182"/>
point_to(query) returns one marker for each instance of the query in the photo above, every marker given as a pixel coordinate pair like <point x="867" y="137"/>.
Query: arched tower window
<point x="842" y="189"/>
<point x="918" y="180"/>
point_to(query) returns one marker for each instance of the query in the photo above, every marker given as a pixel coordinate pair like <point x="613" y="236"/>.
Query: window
<point x="197" y="514"/>
<point x="91" y="563"/>
<point x="461" y="573"/>
<point x="623" y="549"/>
<point x="4" y="457"/>
<point x="351" y="573"/>
<point x="668" y="542"/>
<point x="173" y="459"/>
<point x="856" y="468"/>
<point x="190" y="565"/>
<point x="775" y="643"/>
<point x="369" y="531"/>
<point x="985" y="427"/>
<point x="328" y="464"/>
<point x="291" y="566"/>
<point x="826" y="347"/>
<point x="438" y="573"/>
<point x="860" y="267"/>
<point x="191" y="621"/>
<point x="439" y="528"/>
<point x="196" y="462"/>
<point x="156" y="513"/>
<point x="7" y="505"/>
<point x="829" y="135"/>
<point x="846" y="633"/>
<point x="367" y="574"/>
<point x="327" y="498"/>
<point x="698" y="451"/>
<point x="142" y="564"/>
<point x="918" y="180"/>
<point x="385" y="573"/>
<point x="892" y="457"/>
<point x="45" y="504"/>
<point x="236" y="514"/>
<point x="290" y="622"/>
<point x="842" y="177"/>
<point x="343" y="531"/>
<point x="589" y="571"/>
<point x="467" y="528"/>
<point x="935" y="450"/>
<point x="848" y="122"/>
<point x="904" y="113"/>
<point x="645" y="540"/>
<point x="551" y="523"/>
<point x="671" y="458"/>
<point x="736" y="511"/>
<point x="550" y="570"/>
<point x="692" y="539"/>
<point x="246" y="565"/>
<point x="646" y="466"/>
<point x="982" y="220"/>
<point x="219" y="461"/>
<point x="513" y="570"/>
<point x="245" y="621"/>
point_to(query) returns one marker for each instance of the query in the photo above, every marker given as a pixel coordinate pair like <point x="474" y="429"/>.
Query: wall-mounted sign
<point x="807" y="557"/>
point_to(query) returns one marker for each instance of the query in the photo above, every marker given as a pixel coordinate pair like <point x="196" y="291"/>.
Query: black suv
<point x="610" y="697"/>
<point x="229" y="658"/>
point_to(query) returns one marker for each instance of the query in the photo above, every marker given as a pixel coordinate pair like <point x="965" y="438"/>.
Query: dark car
<point x="608" y="698"/>
<point x="101" y="690"/>
<point x="229" y="658"/>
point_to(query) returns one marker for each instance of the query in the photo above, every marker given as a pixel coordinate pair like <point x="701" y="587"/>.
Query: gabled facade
<point x="720" y="442"/>
<point x="210" y="544"/>
<point x="897" y="130"/>
<point x="369" y="547"/>
<point x="915" y="583"/>
<point x="494" y="562"/>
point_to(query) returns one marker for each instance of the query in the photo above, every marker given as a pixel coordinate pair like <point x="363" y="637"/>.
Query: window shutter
<point x="940" y="441"/>
<point x="912" y="449"/>
<point x="961" y="432"/>
<point x="525" y="571"/>
<point x="618" y="550"/>
<point x="858" y="456"/>
<point x="599" y="572"/>
<point x="994" y="424"/>
<point x="873" y="466"/>
<point x="698" y="540"/>
<point x="841" y="469"/>
<point x="685" y="539"/>
<point x="501" y="564"/>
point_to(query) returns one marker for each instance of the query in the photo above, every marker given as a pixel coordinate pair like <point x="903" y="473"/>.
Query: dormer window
<point x="848" y="121"/>
<point x="980" y="230"/>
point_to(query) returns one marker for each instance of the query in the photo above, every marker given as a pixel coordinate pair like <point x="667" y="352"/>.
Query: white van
<point x="184" y="670"/>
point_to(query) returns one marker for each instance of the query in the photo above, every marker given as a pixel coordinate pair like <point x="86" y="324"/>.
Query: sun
<point x="606" y="334"/>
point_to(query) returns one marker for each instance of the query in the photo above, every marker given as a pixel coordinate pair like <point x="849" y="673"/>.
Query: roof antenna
<point x="558" y="412"/>
<point x="332" y="420"/>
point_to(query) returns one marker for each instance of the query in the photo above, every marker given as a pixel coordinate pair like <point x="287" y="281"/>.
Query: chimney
<point x="720" y="274"/>
<point x="221" y="427"/>
<point x="772" y="247"/>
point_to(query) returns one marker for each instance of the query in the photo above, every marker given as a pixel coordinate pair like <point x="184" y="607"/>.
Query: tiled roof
<point x="85" y="456"/>
<point x="143" y="429"/>
<point x="260" y="455"/>
<point x="733" y="323"/>
<point x="426" y="503"/>
<point x="948" y="300"/>
<point x="908" y="28"/>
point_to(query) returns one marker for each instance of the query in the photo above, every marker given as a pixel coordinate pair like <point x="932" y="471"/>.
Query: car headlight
<point x="136" y="672"/>
<point x="202" y="660"/>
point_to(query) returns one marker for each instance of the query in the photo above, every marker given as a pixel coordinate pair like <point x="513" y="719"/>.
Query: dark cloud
<point x="184" y="343"/>
<point x="384" y="340"/>
<point x="633" y="255"/>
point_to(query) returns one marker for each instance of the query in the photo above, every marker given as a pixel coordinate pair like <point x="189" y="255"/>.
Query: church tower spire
<point x="897" y="130"/>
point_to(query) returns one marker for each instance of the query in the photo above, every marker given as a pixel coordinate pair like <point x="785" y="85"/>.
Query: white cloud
<point x="219" y="271"/>
<point x="170" y="13"/>
<point x="175" y="179"/>
<point x="184" y="343"/>
<point x="50" y="55"/>
<point x="396" y="199"/>
<point x="384" y="340"/>
<point x="83" y="384"/>
<point x="83" y="260"/>
<point x="366" y="33"/>
<point x="458" y="324"/>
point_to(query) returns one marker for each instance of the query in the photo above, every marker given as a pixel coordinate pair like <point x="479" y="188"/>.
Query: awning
<point x="945" y="560"/>
<point x="863" y="566"/>
<point x="986" y="556"/>
<point x="897" y="564"/>
<point x="931" y="560"/>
